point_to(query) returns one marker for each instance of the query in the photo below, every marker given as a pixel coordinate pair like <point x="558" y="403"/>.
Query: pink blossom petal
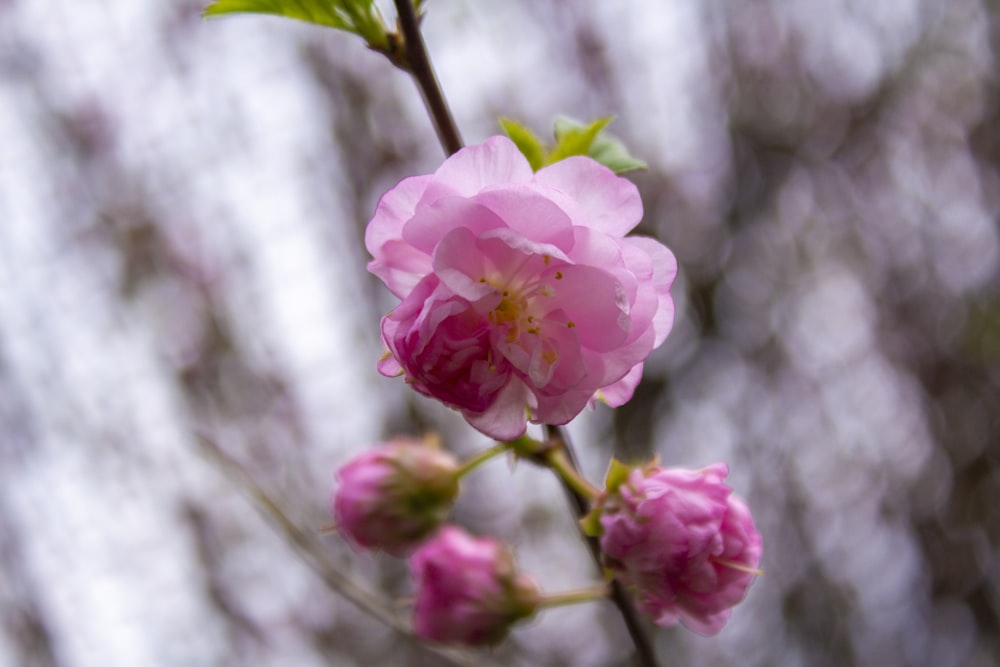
<point x="528" y="213"/>
<point x="620" y="393"/>
<point x="606" y="368"/>
<point x="506" y="418"/>
<point x="594" y="304"/>
<point x="461" y="264"/>
<point x="431" y="223"/>
<point x="400" y="266"/>
<point x="496" y="161"/>
<point x="394" y="209"/>
<point x="560" y="409"/>
<point x="526" y="246"/>
<point x="593" y="195"/>
<point x="664" y="273"/>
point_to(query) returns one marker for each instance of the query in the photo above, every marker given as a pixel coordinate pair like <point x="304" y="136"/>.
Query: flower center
<point x="508" y="310"/>
<point x="514" y="313"/>
<point x="527" y="315"/>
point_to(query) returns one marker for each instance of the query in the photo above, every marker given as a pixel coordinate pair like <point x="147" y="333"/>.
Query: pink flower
<point x="521" y="297"/>
<point x="468" y="591"/>
<point x="395" y="495"/>
<point x="684" y="541"/>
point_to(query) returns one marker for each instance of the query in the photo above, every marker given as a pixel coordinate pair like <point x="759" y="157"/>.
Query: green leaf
<point x="361" y="17"/>
<point x="526" y="141"/>
<point x="611" y="152"/>
<point x="573" y="138"/>
<point x="618" y="473"/>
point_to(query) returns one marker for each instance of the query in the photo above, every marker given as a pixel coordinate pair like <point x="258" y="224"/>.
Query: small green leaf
<point x="526" y="141"/>
<point x="572" y="138"/>
<point x="618" y="473"/>
<point x="590" y="524"/>
<point x="361" y="17"/>
<point x="611" y="152"/>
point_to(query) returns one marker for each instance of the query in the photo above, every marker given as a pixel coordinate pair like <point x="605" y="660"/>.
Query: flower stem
<point x="476" y="460"/>
<point x="575" y="597"/>
<point x="418" y="64"/>
<point x="645" y="656"/>
<point x="558" y="460"/>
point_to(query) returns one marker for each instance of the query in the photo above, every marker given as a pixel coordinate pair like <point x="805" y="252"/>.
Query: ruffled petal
<point x="621" y="392"/>
<point x="496" y="161"/>
<point x="506" y="418"/>
<point x="593" y="195"/>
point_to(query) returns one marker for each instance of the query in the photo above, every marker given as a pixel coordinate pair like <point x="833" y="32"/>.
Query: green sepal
<point x="361" y="17"/>
<point x="526" y="141"/>
<point x="618" y="473"/>
<point x="590" y="523"/>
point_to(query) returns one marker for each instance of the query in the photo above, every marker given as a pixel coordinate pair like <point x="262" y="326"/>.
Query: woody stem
<point x="419" y="66"/>
<point x="645" y="655"/>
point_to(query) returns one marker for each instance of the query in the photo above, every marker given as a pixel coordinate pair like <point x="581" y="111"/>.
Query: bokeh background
<point x="182" y="205"/>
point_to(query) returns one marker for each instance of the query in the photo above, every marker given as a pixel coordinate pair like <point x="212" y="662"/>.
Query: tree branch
<point x="419" y="66"/>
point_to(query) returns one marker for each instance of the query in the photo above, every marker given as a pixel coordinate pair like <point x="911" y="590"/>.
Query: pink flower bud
<point x="684" y="541"/>
<point x="468" y="591"/>
<point x="394" y="496"/>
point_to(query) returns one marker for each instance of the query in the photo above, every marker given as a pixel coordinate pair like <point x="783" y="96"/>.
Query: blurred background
<point x="186" y="323"/>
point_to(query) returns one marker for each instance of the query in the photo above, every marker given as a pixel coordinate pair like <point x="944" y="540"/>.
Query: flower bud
<point x="683" y="541"/>
<point x="394" y="496"/>
<point x="468" y="590"/>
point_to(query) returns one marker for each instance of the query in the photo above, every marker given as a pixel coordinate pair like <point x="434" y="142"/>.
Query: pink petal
<point x="506" y="418"/>
<point x="431" y="223"/>
<point x="606" y="368"/>
<point x="560" y="409"/>
<point x="593" y="301"/>
<point x="706" y="625"/>
<point x="664" y="273"/>
<point x="393" y="210"/>
<point x="496" y="161"/>
<point x="460" y="264"/>
<point x="620" y="393"/>
<point x="400" y="266"/>
<point x="593" y="195"/>
<point x="529" y="213"/>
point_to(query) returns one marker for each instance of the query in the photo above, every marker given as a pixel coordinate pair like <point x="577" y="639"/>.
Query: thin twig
<point x="645" y="654"/>
<point x="419" y="66"/>
<point x="314" y="554"/>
